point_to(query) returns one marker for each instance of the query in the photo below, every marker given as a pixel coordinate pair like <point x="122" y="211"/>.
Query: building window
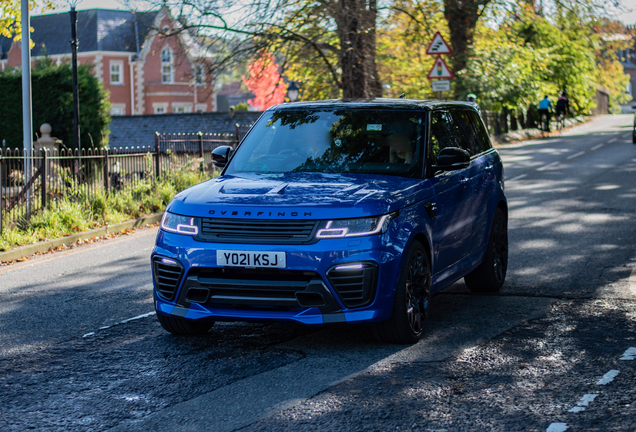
<point x="160" y="108"/>
<point x="202" y="107"/>
<point x="166" y="66"/>
<point x="117" y="109"/>
<point x="116" y="75"/>
<point x="181" y="108"/>
<point x="199" y="75"/>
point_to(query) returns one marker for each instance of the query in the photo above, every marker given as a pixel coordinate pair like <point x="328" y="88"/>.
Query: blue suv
<point x="351" y="212"/>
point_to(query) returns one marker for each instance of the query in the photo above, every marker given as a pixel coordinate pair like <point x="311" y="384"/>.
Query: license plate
<point x="251" y="259"/>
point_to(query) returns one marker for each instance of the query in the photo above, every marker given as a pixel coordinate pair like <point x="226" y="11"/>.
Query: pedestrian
<point x="545" y="106"/>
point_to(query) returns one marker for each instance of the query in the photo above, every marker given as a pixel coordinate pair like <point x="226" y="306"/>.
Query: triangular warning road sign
<point x="440" y="70"/>
<point x="438" y="46"/>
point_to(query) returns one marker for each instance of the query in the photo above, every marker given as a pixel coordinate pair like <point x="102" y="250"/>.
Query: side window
<point x="441" y="133"/>
<point x="482" y="133"/>
<point x="465" y="132"/>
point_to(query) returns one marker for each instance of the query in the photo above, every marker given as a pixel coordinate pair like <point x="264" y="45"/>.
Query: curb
<point x="28" y="250"/>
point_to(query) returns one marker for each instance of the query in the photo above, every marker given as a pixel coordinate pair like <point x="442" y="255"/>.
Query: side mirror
<point x="452" y="158"/>
<point x="633" y="106"/>
<point x="221" y="155"/>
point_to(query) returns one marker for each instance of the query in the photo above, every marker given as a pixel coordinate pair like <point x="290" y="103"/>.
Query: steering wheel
<point x="294" y="152"/>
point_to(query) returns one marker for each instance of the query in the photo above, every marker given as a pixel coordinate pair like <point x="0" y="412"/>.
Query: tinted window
<point x="332" y="141"/>
<point x="482" y="133"/>
<point x="441" y="133"/>
<point x="465" y="132"/>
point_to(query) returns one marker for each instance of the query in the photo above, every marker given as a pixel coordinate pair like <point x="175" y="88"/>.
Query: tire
<point x="182" y="327"/>
<point x="490" y="275"/>
<point x="634" y="136"/>
<point x="410" y="307"/>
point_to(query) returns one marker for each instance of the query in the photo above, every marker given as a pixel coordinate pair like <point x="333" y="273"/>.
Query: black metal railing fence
<point x="98" y="170"/>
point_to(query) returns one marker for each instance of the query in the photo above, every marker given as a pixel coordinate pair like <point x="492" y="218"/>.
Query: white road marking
<point x="138" y="317"/>
<point x="519" y="177"/>
<point x="612" y="140"/>
<point x="608" y="377"/>
<point x="596" y="147"/>
<point x="630" y="354"/>
<point x="631" y="282"/>
<point x="557" y="427"/>
<point x="123" y="322"/>
<point x="548" y="166"/>
<point x="585" y="401"/>
<point x="576" y="155"/>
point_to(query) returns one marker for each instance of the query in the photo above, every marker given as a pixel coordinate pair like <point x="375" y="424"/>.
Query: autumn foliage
<point x="265" y="82"/>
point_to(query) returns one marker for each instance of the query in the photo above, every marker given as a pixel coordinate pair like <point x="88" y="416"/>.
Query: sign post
<point x="440" y="70"/>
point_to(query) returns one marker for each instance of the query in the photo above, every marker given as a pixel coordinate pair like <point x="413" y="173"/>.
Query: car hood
<point x="299" y="195"/>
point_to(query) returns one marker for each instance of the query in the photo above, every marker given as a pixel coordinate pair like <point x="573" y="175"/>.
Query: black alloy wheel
<point x="410" y="307"/>
<point x="491" y="273"/>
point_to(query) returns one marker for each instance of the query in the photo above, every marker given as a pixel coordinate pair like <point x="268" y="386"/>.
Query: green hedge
<point x="52" y="99"/>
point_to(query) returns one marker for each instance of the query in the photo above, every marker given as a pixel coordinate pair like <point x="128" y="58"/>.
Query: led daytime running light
<point x="179" y="224"/>
<point x="328" y="232"/>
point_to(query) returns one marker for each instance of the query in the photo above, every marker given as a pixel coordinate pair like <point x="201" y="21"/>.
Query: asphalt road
<point x="80" y="349"/>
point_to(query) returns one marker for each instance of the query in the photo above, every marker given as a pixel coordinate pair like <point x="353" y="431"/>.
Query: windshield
<point x="334" y="141"/>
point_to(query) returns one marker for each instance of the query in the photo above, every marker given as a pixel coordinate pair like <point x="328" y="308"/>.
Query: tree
<point x="265" y="82"/>
<point x="10" y="16"/>
<point x="53" y="104"/>
<point x="462" y="17"/>
<point x="340" y="34"/>
<point x="403" y="37"/>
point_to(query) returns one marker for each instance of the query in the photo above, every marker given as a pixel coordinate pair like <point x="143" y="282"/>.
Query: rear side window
<point x="441" y="133"/>
<point x="482" y="133"/>
<point x="465" y="132"/>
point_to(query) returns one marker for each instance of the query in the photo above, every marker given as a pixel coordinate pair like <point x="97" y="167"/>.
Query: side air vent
<point x="355" y="283"/>
<point x="168" y="273"/>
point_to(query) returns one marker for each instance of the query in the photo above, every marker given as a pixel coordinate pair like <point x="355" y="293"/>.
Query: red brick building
<point x="145" y="72"/>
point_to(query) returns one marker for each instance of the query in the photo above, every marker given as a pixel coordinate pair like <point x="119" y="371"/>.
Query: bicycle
<point x="560" y="121"/>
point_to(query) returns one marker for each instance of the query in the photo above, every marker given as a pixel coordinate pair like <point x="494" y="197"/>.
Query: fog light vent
<point x="354" y="282"/>
<point x="168" y="273"/>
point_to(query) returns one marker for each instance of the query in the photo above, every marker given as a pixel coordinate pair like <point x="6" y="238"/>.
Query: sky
<point x="628" y="16"/>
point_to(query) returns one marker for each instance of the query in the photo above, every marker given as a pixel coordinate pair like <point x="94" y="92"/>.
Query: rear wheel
<point x="410" y="307"/>
<point x="182" y="327"/>
<point x="491" y="273"/>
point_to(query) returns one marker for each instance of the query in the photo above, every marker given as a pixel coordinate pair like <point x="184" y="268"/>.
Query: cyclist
<point x="545" y="106"/>
<point x="562" y="106"/>
<point x="472" y="98"/>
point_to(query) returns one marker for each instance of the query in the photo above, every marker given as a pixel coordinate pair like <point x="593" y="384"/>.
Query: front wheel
<point x="183" y="327"/>
<point x="410" y="307"/>
<point x="491" y="273"/>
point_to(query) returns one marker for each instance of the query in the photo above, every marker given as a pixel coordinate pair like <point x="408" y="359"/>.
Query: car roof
<point x="375" y="103"/>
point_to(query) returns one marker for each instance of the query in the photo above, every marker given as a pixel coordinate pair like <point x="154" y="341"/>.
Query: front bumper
<point x="313" y="289"/>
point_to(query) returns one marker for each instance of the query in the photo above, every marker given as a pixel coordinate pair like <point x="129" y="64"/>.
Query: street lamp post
<point x="76" y="127"/>
<point x="27" y="124"/>
<point x="293" y="92"/>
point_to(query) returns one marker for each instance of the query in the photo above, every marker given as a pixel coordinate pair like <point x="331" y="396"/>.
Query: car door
<point x="475" y="174"/>
<point x="451" y="206"/>
<point x="488" y="164"/>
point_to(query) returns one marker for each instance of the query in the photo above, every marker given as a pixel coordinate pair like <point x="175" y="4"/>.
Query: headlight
<point x="179" y="224"/>
<point x="355" y="227"/>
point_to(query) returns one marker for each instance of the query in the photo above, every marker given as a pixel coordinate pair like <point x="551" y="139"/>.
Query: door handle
<point x="488" y="167"/>
<point x="464" y="180"/>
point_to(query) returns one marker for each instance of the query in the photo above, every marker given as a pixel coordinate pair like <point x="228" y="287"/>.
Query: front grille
<point x="355" y="286"/>
<point x="253" y="288"/>
<point x="168" y="273"/>
<point x="257" y="231"/>
<point x="259" y="289"/>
